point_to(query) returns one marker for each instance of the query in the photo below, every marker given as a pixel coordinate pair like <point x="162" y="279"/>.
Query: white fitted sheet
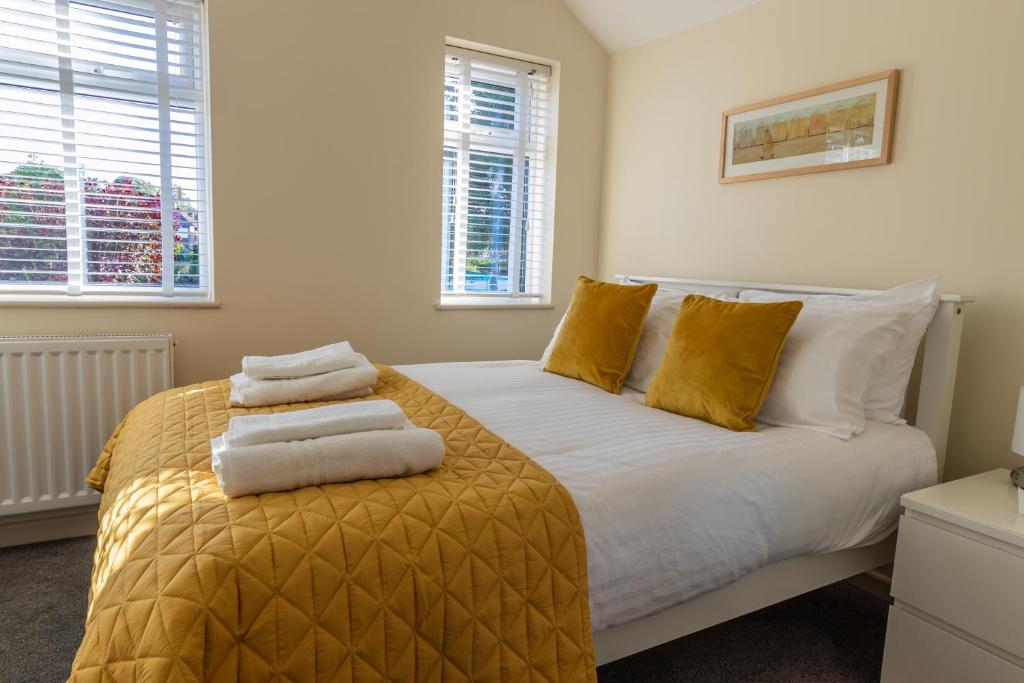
<point x="673" y="507"/>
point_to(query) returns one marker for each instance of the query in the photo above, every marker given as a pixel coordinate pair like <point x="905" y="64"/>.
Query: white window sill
<point x="490" y="303"/>
<point x="103" y="302"/>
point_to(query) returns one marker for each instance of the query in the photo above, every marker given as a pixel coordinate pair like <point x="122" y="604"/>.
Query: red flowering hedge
<point x="121" y="230"/>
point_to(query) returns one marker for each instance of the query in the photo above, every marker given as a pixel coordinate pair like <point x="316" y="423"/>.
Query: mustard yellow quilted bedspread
<point x="475" y="571"/>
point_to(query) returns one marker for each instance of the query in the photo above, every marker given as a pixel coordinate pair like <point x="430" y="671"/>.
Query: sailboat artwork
<point x="838" y="126"/>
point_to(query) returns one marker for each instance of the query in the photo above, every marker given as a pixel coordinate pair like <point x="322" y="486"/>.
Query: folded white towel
<point x="283" y="466"/>
<point x="246" y="391"/>
<point x="312" y="423"/>
<point x="303" y="364"/>
<point x="345" y="395"/>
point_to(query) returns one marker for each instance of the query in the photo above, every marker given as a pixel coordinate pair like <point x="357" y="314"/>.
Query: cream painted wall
<point x="326" y="137"/>
<point x="949" y="204"/>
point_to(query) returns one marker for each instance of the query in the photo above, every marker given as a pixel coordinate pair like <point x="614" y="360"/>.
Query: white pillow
<point x="661" y="318"/>
<point x="657" y="330"/>
<point x="551" y="344"/>
<point x="829" y="360"/>
<point x="885" y="397"/>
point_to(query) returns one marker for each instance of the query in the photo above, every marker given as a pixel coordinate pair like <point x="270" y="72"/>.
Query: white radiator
<point x="60" y="399"/>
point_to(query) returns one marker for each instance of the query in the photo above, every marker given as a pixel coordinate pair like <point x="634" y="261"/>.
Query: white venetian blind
<point x="495" y="179"/>
<point x="102" y="148"/>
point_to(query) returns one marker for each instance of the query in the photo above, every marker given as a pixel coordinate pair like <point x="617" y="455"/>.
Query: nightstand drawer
<point x="918" y="651"/>
<point x="964" y="582"/>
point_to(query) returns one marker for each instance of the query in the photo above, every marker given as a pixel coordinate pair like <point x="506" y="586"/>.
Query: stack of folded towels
<point x="329" y="373"/>
<point x="335" y="443"/>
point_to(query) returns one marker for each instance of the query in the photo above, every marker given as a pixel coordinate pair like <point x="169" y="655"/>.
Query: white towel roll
<point x="312" y="423"/>
<point x="283" y="466"/>
<point x="246" y="391"/>
<point x="302" y="364"/>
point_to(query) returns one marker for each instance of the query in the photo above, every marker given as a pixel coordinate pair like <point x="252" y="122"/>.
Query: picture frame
<point x="843" y="125"/>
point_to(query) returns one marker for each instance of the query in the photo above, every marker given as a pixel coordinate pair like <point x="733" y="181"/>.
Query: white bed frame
<point x="789" y="578"/>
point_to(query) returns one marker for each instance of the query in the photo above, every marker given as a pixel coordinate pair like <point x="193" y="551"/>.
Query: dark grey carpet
<point x="44" y="590"/>
<point x="833" y="634"/>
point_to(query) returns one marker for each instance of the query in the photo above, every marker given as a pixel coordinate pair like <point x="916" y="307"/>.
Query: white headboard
<point x="937" y="365"/>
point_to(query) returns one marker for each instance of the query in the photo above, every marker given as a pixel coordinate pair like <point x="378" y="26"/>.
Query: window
<point x="103" y="182"/>
<point x="495" y="221"/>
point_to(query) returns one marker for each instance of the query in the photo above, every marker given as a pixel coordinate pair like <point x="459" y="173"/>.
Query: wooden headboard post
<point x="940" y="358"/>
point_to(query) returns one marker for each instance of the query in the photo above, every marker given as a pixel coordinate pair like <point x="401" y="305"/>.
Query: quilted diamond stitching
<point x="476" y="571"/>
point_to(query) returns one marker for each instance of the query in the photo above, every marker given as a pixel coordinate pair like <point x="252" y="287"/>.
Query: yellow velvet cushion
<point x="721" y="359"/>
<point x="600" y="332"/>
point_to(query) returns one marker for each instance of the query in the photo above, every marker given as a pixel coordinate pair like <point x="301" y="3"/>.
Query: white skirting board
<point x="48" y="525"/>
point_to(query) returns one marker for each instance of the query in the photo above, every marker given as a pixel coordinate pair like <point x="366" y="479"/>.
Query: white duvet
<point x="674" y="507"/>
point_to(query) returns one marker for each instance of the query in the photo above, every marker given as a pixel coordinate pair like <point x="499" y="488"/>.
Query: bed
<point x="929" y="410"/>
<point x="673" y="507"/>
<point x="686" y="525"/>
<point x="741" y="521"/>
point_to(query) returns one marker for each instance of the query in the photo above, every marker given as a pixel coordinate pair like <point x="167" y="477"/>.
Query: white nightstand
<point x="958" y="585"/>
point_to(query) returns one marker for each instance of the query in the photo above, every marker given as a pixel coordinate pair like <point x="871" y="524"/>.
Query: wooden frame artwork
<point x="843" y="125"/>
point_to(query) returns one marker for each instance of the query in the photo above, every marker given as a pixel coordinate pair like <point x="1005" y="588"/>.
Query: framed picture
<point x="844" y="125"/>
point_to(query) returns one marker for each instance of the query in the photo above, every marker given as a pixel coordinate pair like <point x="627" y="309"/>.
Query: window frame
<point x="31" y="294"/>
<point x="504" y="299"/>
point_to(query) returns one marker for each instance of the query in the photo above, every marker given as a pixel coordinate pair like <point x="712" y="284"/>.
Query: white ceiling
<point x="619" y="24"/>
